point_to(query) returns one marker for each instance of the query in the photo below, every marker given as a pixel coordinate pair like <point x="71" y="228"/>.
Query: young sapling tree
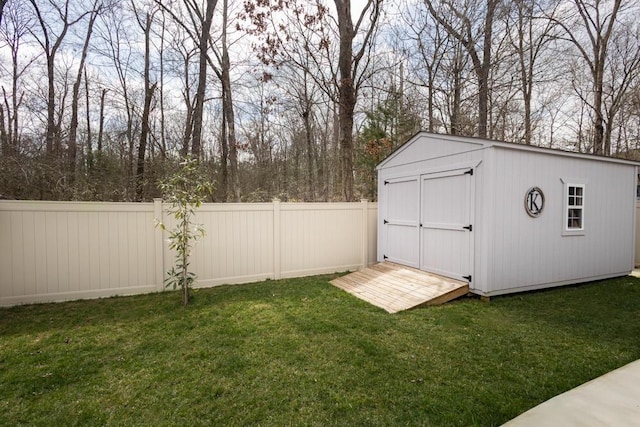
<point x="184" y="191"/>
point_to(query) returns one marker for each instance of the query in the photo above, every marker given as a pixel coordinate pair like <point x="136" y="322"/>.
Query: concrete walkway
<point x="610" y="400"/>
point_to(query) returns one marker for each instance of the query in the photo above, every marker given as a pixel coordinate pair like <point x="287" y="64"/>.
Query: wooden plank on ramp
<point x="395" y="287"/>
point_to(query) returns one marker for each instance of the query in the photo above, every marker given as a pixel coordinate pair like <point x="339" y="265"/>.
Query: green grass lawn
<point x="301" y="352"/>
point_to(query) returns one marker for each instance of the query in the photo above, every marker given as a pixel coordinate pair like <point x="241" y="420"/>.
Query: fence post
<point x="276" y="240"/>
<point x="159" y="244"/>
<point x="365" y="232"/>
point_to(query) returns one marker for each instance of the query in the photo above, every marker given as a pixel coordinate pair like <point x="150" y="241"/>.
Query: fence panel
<point x="319" y="238"/>
<point x="237" y="246"/>
<point x="54" y="251"/>
<point x="59" y="251"/>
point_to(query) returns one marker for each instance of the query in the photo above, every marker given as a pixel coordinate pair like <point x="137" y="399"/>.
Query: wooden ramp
<point x="395" y="287"/>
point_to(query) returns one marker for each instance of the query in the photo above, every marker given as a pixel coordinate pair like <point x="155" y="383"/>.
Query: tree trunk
<point x="188" y="122"/>
<point x="89" y="161"/>
<point x="456" y="120"/>
<point x="430" y="98"/>
<point x="163" y="133"/>
<point x="188" y="127"/>
<point x="307" y="118"/>
<point x="335" y="169"/>
<point x="598" y="121"/>
<point x="323" y="174"/>
<point x="310" y="148"/>
<point x="103" y="94"/>
<point x="4" y="138"/>
<point x="73" y="128"/>
<point x="227" y="108"/>
<point x="60" y="115"/>
<point x="129" y="153"/>
<point x="7" y="140"/>
<point x="346" y="96"/>
<point x="234" y="178"/>
<point x="526" y="64"/>
<point x="196" y="145"/>
<point x="52" y="147"/>
<point x="12" y="114"/>
<point x="224" y="159"/>
<point x="148" y="95"/>
<point x="483" y="73"/>
<point x="345" y="116"/>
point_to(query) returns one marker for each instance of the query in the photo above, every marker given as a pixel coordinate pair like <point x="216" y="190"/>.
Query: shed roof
<point x="482" y="143"/>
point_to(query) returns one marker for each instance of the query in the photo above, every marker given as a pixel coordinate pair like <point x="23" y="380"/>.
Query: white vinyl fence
<point x="55" y="251"/>
<point x="637" y="253"/>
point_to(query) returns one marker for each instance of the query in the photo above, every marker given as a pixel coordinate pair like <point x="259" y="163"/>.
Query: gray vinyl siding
<point x="511" y="251"/>
<point x="530" y="252"/>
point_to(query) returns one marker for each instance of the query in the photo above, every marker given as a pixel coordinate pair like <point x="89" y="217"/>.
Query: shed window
<point x="574" y="218"/>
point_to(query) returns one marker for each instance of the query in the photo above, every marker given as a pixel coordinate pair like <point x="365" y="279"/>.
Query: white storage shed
<point x="506" y="217"/>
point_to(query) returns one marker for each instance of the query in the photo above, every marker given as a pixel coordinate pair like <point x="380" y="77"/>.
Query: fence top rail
<point x="321" y="206"/>
<point x="227" y="207"/>
<point x="76" y="206"/>
<point x="50" y="206"/>
<point x="289" y="206"/>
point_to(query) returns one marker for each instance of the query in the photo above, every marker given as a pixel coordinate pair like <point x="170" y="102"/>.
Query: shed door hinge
<point x="468" y="227"/>
<point x="384" y="221"/>
<point x="467" y="278"/>
<point x="469" y="172"/>
<point x="384" y="257"/>
<point x="386" y="182"/>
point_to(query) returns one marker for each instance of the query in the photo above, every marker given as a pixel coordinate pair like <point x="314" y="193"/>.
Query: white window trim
<point x="580" y="183"/>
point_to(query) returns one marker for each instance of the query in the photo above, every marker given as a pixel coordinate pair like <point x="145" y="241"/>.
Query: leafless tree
<point x="472" y="25"/>
<point x="427" y="43"/>
<point x="149" y="88"/>
<point x="3" y="3"/>
<point x="197" y="23"/>
<point x="103" y="95"/>
<point x="350" y="64"/>
<point x="116" y="44"/>
<point x="89" y="155"/>
<point x="73" y="128"/>
<point x="50" y="43"/>
<point x="164" y="78"/>
<point x="341" y="72"/>
<point x="623" y="69"/>
<point x="529" y="34"/>
<point x="206" y="19"/>
<point x="227" y="105"/>
<point x="598" y="19"/>
<point x="13" y="31"/>
<point x="163" y="37"/>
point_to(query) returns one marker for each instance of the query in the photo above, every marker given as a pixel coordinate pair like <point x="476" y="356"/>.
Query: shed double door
<point x="446" y="223"/>
<point x="429" y="222"/>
